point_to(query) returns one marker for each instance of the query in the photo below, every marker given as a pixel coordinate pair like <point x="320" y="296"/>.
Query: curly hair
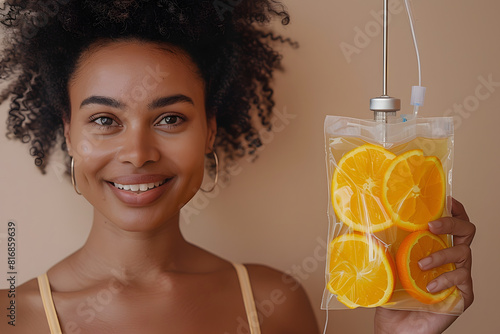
<point x="228" y="42"/>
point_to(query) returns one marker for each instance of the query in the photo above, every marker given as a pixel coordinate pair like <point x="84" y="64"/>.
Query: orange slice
<point x="414" y="190"/>
<point x="362" y="272"/>
<point x="415" y="247"/>
<point x="357" y="188"/>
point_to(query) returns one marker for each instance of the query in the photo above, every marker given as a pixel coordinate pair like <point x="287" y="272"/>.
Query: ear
<point x="211" y="134"/>
<point x="67" y="136"/>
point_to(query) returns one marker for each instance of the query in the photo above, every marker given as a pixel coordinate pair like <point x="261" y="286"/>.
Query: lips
<point x="139" y="190"/>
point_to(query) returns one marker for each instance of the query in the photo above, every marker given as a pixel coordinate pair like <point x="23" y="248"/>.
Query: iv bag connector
<point x="384" y="107"/>
<point x="417" y="96"/>
<point x="384" y="116"/>
<point x="385" y="103"/>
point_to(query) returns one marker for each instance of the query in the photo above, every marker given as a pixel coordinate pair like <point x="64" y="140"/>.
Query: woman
<point x="142" y="92"/>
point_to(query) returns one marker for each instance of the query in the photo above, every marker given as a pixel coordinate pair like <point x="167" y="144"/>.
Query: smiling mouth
<point x="139" y="188"/>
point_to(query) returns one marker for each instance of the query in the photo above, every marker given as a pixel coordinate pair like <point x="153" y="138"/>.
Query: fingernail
<point x="435" y="224"/>
<point x="431" y="287"/>
<point x="424" y="263"/>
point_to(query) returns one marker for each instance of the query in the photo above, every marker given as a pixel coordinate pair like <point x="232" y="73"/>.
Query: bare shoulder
<point x="21" y="309"/>
<point x="282" y="303"/>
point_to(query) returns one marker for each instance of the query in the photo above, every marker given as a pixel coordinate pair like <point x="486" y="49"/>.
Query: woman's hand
<point x="395" y="321"/>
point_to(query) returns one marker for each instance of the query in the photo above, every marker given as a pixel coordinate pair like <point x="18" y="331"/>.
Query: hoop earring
<point x="73" y="179"/>
<point x="216" y="174"/>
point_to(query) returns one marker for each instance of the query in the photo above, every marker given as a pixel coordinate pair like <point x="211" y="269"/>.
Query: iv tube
<point x="410" y="18"/>
<point x="418" y="92"/>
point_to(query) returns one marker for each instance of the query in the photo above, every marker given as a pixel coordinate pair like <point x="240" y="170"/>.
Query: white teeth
<point x="139" y="187"/>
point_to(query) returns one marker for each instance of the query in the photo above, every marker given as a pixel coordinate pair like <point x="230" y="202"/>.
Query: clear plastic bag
<point x="386" y="181"/>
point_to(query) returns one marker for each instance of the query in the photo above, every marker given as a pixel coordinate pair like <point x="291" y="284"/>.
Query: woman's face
<point x="138" y="132"/>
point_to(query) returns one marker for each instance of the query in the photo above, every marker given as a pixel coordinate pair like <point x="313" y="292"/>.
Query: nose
<point x="139" y="147"/>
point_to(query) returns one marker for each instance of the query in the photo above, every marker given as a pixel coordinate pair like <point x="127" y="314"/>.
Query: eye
<point x="104" y="121"/>
<point x="172" y="120"/>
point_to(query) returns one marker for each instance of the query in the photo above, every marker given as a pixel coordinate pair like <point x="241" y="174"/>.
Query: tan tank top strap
<point x="48" y="304"/>
<point x="246" y="291"/>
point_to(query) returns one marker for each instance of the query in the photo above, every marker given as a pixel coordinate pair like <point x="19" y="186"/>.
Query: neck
<point x="130" y="256"/>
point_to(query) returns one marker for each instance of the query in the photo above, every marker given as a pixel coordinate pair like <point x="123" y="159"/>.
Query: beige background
<point x="273" y="211"/>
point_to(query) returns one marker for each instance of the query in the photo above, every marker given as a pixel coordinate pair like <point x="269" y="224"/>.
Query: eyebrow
<point x="106" y="101"/>
<point x="157" y="103"/>
<point x="169" y="100"/>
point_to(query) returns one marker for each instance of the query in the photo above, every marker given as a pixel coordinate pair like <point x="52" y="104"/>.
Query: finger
<point x="460" y="277"/>
<point x="458" y="210"/>
<point x="460" y="255"/>
<point x="463" y="231"/>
